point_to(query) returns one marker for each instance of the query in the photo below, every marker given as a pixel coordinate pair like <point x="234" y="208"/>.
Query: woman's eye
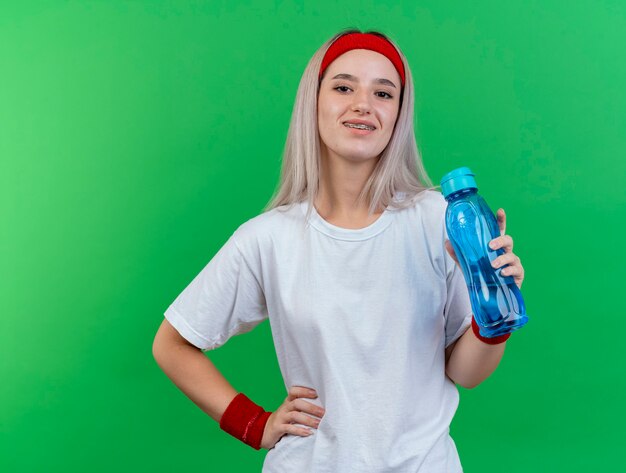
<point x="381" y="94"/>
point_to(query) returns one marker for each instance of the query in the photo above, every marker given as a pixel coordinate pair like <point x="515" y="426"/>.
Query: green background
<point x="136" y="136"/>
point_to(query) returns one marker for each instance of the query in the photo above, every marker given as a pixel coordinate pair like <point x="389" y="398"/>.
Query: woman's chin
<point x="354" y="154"/>
<point x="361" y="157"/>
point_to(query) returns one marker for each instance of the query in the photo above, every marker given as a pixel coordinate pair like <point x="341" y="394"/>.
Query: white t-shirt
<point x="362" y="316"/>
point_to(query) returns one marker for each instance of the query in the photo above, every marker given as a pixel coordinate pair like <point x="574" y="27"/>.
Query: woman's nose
<point x="361" y="102"/>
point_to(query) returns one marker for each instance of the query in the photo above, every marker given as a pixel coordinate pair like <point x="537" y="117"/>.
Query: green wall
<point x="136" y="136"/>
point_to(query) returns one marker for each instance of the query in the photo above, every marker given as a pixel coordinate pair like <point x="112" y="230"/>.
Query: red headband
<point x="369" y="41"/>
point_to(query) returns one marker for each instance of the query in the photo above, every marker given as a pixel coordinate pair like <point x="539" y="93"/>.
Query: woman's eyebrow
<point x="351" y="78"/>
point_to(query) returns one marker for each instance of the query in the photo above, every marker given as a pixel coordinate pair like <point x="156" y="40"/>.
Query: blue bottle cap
<point x="460" y="178"/>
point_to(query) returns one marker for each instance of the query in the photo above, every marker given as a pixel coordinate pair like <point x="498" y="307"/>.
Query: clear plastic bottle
<point x="496" y="300"/>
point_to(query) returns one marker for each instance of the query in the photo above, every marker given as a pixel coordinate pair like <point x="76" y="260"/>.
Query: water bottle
<point x="496" y="300"/>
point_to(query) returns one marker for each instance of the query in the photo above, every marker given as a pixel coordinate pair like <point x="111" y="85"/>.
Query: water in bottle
<point x="496" y="300"/>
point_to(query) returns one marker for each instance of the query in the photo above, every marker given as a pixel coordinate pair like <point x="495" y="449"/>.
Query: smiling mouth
<point x="359" y="126"/>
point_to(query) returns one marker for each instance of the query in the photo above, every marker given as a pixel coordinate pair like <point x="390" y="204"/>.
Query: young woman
<point x="350" y="262"/>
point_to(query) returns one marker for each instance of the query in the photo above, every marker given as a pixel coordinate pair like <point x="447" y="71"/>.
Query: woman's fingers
<point x="292" y="411"/>
<point x="514" y="267"/>
<point x="299" y="417"/>
<point x="515" y="271"/>
<point x="309" y="408"/>
<point x="295" y="430"/>
<point x="506" y="258"/>
<point x="501" y="218"/>
<point x="504" y="241"/>
<point x="300" y="391"/>
<point x="296" y="411"/>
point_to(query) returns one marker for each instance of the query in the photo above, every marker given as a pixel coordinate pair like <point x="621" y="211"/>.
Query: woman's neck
<point x="340" y="185"/>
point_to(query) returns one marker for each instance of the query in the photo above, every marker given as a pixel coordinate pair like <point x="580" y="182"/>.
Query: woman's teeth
<point x="359" y="126"/>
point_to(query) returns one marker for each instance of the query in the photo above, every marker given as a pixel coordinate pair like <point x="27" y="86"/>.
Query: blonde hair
<point x="399" y="169"/>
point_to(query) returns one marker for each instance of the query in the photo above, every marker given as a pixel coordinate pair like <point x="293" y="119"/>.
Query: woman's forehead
<point x="363" y="64"/>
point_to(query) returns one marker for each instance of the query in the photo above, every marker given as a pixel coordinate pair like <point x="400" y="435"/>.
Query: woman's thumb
<point x="451" y="251"/>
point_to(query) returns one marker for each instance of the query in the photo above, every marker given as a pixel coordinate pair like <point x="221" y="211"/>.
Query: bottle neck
<point x="461" y="193"/>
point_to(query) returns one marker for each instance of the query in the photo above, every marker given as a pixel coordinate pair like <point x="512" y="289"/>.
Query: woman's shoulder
<point x="429" y="201"/>
<point x="424" y="210"/>
<point x="269" y="224"/>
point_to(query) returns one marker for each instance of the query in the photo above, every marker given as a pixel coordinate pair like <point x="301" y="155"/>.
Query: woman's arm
<point x="192" y="372"/>
<point x="470" y="361"/>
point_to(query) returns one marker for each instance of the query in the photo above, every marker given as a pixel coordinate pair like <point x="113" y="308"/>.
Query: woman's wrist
<point x="489" y="340"/>
<point x="245" y="420"/>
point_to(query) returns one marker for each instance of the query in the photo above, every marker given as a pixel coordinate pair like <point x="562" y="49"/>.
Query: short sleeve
<point x="458" y="308"/>
<point x="223" y="300"/>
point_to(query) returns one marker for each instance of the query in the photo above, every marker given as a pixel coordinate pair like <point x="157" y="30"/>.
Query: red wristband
<point x="490" y="341"/>
<point x="245" y="420"/>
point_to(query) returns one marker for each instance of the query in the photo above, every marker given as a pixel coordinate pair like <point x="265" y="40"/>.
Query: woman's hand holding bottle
<point x="509" y="258"/>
